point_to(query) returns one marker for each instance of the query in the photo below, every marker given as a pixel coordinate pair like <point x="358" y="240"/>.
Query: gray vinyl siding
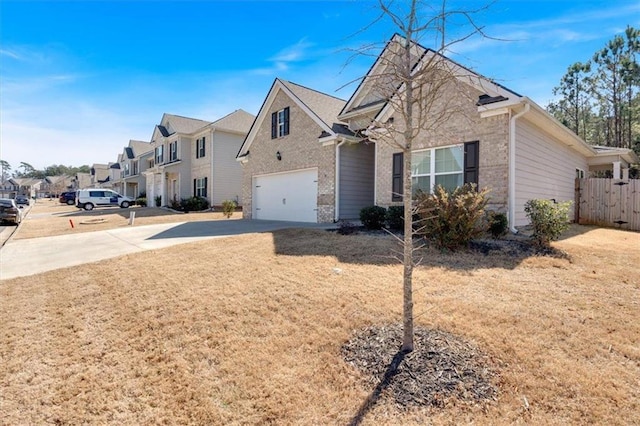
<point x="357" y="178"/>
<point x="545" y="168"/>
<point x="227" y="172"/>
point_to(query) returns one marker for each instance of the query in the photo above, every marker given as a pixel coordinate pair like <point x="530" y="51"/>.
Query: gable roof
<point x="322" y="108"/>
<point x="139" y="147"/>
<point x="172" y="124"/>
<point x="363" y="99"/>
<point x="238" y="121"/>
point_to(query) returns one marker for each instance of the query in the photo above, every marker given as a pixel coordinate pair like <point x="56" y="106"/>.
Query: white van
<point x="98" y="197"/>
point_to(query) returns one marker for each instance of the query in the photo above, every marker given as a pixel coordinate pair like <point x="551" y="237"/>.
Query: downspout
<point x="512" y="167"/>
<point x="337" y="185"/>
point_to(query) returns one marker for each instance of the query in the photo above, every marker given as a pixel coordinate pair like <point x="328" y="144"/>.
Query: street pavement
<point x="36" y="255"/>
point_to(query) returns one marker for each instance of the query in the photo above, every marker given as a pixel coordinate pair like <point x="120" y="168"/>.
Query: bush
<point x="498" y="224"/>
<point x="228" y="207"/>
<point x="373" y="217"/>
<point x="194" y="204"/>
<point x="549" y="219"/>
<point x="158" y="200"/>
<point x="452" y="219"/>
<point x="141" y="201"/>
<point x="395" y="218"/>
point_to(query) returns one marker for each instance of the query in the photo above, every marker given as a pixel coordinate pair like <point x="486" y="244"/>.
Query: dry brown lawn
<point x="50" y="217"/>
<point x="249" y="330"/>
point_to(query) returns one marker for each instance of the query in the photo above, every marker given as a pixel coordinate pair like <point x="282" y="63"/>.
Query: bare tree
<point x="423" y="91"/>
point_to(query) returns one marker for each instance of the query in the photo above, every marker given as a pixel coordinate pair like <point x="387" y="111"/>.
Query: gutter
<point x="512" y="167"/>
<point x="337" y="185"/>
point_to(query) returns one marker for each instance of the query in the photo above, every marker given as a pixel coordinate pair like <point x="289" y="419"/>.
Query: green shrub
<point x="373" y="217"/>
<point x="194" y="204"/>
<point x="395" y="218"/>
<point x="549" y="219"/>
<point x="158" y="200"/>
<point x="498" y="224"/>
<point x="141" y="201"/>
<point x="451" y="219"/>
<point x="228" y="207"/>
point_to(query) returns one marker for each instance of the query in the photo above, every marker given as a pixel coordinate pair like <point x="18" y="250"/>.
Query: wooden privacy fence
<point x="608" y="202"/>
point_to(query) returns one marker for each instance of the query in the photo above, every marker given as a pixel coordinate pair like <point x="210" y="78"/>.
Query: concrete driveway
<point x="33" y="256"/>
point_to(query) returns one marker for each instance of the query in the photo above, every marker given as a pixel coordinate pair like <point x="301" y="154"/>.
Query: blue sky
<point x="79" y="79"/>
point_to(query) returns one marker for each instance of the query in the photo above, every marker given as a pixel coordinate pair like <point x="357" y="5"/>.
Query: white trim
<point x="336" y="188"/>
<point x="512" y="169"/>
<point x="284" y="172"/>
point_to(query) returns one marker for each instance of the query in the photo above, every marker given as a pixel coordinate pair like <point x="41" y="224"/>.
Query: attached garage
<point x="286" y="196"/>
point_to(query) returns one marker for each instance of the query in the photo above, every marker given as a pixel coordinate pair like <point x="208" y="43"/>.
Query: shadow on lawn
<point x="125" y="213"/>
<point x="374" y="396"/>
<point x="383" y="249"/>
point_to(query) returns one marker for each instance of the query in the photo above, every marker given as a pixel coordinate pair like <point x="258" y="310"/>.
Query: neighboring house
<point x="496" y="138"/>
<point x="100" y="176"/>
<point x="52" y="186"/>
<point x="26" y="186"/>
<point x="115" y="175"/>
<point x="81" y="180"/>
<point x="301" y="163"/>
<point x="132" y="163"/>
<point x="194" y="157"/>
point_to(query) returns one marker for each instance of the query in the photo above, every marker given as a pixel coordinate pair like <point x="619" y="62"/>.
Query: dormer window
<point x="280" y="123"/>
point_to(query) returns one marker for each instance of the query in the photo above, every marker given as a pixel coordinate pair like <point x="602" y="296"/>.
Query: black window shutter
<point x="286" y="121"/>
<point x="396" y="177"/>
<point x="204" y="147"/>
<point x="274" y="125"/>
<point x="205" y="187"/>
<point x="194" y="187"/>
<point x="471" y="161"/>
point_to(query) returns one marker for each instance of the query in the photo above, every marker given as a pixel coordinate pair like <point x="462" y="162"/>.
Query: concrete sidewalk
<point x="32" y="256"/>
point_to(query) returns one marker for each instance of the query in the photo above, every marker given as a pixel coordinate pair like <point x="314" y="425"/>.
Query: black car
<point x="68" y="197"/>
<point x="22" y="199"/>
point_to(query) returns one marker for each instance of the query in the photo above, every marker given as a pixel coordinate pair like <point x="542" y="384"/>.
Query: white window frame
<point x="200" y="152"/>
<point x="200" y="188"/>
<point x="579" y="173"/>
<point x="173" y="151"/>
<point x="134" y="167"/>
<point x="159" y="157"/>
<point x="432" y="165"/>
<point x="280" y="123"/>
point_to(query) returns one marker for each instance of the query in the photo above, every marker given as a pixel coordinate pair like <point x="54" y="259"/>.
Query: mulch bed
<point x="442" y="367"/>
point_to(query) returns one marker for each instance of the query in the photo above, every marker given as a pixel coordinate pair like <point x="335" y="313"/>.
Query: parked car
<point x="68" y="197"/>
<point x="9" y="211"/>
<point x="97" y="197"/>
<point x="22" y="199"/>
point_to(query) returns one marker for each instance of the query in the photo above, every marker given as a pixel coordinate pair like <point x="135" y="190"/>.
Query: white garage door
<point x="286" y="196"/>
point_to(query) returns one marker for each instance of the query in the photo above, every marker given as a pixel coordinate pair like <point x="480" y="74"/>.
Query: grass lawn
<point x="249" y="330"/>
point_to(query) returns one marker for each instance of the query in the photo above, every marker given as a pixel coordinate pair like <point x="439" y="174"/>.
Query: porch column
<point x="616" y="170"/>
<point x="163" y="195"/>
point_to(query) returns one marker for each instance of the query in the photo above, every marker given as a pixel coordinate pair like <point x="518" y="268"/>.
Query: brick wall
<point x="463" y="125"/>
<point x="299" y="149"/>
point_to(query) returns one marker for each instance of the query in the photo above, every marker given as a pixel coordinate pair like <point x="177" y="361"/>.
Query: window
<point x="200" y="147"/>
<point x="579" y="174"/>
<point x="159" y="154"/>
<point x="134" y="167"/>
<point x="450" y="166"/>
<point x="200" y="187"/>
<point x="173" y="151"/>
<point x="280" y="123"/>
<point x="126" y="169"/>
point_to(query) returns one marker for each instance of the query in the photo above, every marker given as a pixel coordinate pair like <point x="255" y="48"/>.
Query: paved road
<point x="36" y="255"/>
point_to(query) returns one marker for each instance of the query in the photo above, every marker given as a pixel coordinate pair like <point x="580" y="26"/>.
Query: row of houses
<point x="309" y="156"/>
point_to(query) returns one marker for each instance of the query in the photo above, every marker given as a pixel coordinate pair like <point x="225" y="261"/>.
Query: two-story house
<point x="193" y="157"/>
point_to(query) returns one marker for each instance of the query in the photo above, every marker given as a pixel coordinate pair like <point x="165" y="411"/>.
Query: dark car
<point x="22" y="199"/>
<point x="9" y="211"/>
<point x="68" y="197"/>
